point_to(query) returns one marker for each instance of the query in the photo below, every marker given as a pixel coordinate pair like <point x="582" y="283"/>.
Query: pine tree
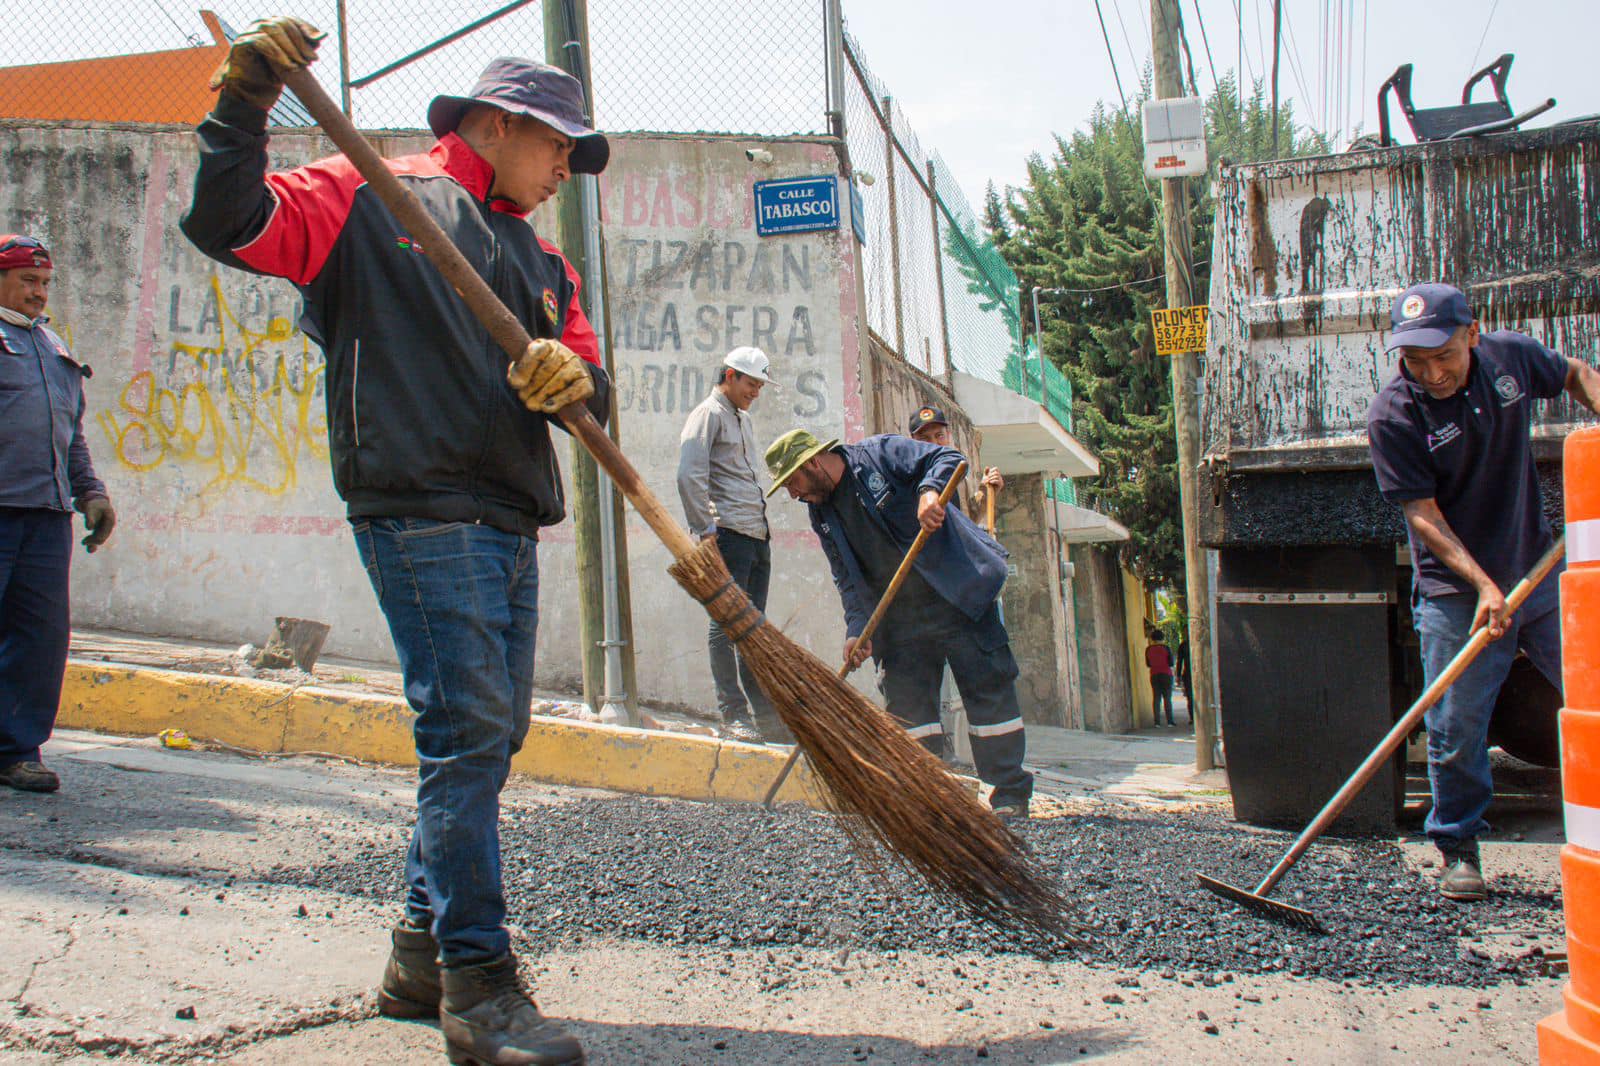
<point x="1089" y="222"/>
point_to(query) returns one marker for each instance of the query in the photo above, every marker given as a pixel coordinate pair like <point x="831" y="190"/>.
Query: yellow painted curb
<point x="268" y="717"/>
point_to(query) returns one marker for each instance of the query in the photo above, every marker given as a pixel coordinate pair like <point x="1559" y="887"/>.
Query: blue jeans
<point x="750" y="565"/>
<point x="35" y="627"/>
<point x="1458" y="725"/>
<point x="462" y="602"/>
<point x="911" y="661"/>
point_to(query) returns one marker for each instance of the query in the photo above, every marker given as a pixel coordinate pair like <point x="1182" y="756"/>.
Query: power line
<point x="1102" y="288"/>
<point x="188" y="35"/>
<point x="1110" y="54"/>
<point x="1200" y="16"/>
<point x="1366" y="24"/>
<point x="1476" y="52"/>
<point x="1117" y="8"/>
<point x="1295" y="66"/>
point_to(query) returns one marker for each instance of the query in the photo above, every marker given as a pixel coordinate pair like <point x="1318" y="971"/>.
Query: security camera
<point x="759" y="155"/>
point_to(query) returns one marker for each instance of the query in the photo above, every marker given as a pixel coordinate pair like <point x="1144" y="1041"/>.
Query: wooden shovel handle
<point x="1410" y="719"/>
<point x="502" y="325"/>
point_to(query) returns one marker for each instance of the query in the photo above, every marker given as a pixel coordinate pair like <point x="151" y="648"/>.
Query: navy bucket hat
<point x="538" y="90"/>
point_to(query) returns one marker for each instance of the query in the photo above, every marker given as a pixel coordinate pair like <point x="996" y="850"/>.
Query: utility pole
<point x="1277" y="49"/>
<point x="344" y="61"/>
<point x="605" y="620"/>
<point x="1164" y="16"/>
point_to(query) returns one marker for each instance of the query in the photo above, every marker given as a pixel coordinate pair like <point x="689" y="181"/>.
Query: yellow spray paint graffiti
<point x="245" y="408"/>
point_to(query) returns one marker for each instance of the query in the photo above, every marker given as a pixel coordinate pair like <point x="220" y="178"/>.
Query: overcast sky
<point x="986" y="95"/>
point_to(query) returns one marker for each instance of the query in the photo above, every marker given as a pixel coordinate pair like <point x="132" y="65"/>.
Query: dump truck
<point x="1316" y="655"/>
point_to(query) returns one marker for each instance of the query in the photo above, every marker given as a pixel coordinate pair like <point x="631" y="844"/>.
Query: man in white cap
<point x="718" y="461"/>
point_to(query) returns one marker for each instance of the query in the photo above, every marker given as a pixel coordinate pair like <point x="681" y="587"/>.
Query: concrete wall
<point x="1137" y="613"/>
<point x="897" y="389"/>
<point x="206" y="412"/>
<point x="1035" y="614"/>
<point x="1103" y="677"/>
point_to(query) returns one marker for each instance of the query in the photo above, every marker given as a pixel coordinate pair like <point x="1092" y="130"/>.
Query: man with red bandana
<point x="442" y="456"/>
<point x="47" y="473"/>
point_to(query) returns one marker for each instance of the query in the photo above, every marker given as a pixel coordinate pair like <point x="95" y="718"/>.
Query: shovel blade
<point x="1267" y="908"/>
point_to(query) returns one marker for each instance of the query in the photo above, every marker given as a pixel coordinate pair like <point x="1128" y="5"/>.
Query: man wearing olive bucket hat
<point x="867" y="503"/>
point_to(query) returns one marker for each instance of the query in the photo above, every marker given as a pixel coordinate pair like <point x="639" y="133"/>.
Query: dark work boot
<point x="490" y="1020"/>
<point x="30" y="777"/>
<point x="410" y="987"/>
<point x="1462" y="879"/>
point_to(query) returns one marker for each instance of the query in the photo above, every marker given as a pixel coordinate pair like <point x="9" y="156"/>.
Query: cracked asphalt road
<point x="149" y="921"/>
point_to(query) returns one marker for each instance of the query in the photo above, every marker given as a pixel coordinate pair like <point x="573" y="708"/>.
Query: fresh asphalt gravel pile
<point x="739" y="876"/>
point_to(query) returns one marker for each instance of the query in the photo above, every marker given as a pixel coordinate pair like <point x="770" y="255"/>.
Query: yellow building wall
<point x="1137" y="607"/>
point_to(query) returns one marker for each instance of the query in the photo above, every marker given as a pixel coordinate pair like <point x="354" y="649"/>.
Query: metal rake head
<point x="1269" y="908"/>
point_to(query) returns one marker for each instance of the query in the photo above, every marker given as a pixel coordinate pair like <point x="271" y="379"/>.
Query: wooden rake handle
<point x="502" y="325"/>
<point x="900" y="575"/>
<point x="1408" y="722"/>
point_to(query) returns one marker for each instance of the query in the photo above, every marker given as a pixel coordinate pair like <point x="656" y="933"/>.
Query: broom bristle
<point x="888" y="789"/>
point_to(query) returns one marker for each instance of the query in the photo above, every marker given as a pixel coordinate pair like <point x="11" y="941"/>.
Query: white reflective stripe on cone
<point x="1583" y="541"/>
<point x="932" y="729"/>
<point x="1583" y="826"/>
<point x="998" y="729"/>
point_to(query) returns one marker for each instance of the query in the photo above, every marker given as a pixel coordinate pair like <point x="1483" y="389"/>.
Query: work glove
<point x="100" y="518"/>
<point x="262" y="54"/>
<point x="548" y="376"/>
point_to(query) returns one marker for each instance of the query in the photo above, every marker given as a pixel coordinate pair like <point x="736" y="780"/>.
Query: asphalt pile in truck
<point x="740" y="877"/>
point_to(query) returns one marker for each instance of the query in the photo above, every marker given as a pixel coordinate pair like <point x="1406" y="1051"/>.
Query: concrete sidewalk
<point x="140" y="685"/>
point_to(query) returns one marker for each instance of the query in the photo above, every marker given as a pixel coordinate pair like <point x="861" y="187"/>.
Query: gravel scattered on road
<point x="739" y="876"/>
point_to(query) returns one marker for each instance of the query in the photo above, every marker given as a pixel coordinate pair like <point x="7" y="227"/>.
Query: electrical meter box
<point x="1174" y="137"/>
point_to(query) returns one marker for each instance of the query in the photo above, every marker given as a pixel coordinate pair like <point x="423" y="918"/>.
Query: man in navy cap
<point x="442" y="456"/>
<point x="929" y="425"/>
<point x="1449" y="435"/>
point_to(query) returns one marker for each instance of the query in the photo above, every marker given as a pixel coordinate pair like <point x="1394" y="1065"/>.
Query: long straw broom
<point x="891" y="791"/>
<point x="900" y="574"/>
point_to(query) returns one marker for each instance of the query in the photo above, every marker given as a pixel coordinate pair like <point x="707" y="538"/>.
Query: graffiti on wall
<point x="243" y="406"/>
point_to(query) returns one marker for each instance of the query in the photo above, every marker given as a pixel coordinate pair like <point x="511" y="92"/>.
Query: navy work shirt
<point x="879" y="557"/>
<point x="44" y="458"/>
<point x="1470" y="454"/>
<point x="961" y="564"/>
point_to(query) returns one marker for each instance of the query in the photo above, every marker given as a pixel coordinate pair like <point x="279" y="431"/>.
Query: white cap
<point x="750" y="361"/>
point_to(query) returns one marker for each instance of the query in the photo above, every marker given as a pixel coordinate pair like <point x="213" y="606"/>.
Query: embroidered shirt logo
<point x="1412" y="307"/>
<point x="1508" y="388"/>
<point x="875" y="484"/>
<point x="1443" y="435"/>
<point x="407" y="244"/>
<point x="551" y="309"/>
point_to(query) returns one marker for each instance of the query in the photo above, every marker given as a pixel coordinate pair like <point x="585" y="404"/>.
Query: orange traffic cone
<point x="1571" y="1036"/>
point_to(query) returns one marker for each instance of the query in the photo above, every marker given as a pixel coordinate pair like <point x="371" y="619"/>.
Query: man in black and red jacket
<point x="443" y="459"/>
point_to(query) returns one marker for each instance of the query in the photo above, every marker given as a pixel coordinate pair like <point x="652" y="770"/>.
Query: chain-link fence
<point x="937" y="288"/>
<point x="734" y="66"/>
